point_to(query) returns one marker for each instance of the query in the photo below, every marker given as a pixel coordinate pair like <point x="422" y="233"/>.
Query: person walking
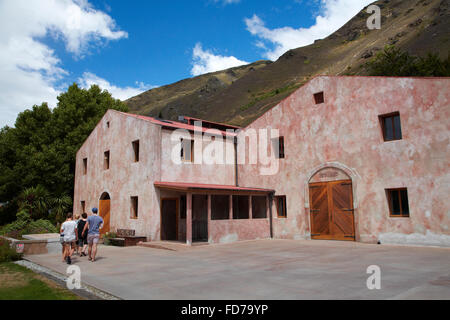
<point x="82" y="240"/>
<point x="69" y="229"/>
<point x="76" y="218"/>
<point x="92" y="227"/>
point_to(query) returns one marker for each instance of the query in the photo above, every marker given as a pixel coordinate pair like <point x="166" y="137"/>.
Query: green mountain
<point x="239" y="95"/>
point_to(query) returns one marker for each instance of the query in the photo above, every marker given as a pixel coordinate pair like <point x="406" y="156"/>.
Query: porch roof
<point x="192" y="187"/>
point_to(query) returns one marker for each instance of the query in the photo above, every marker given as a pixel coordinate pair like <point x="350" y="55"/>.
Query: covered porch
<point x="194" y="213"/>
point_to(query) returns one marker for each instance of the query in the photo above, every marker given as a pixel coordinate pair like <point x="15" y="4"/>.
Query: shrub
<point x="107" y="236"/>
<point x="395" y="62"/>
<point x="7" y="253"/>
<point x="24" y="225"/>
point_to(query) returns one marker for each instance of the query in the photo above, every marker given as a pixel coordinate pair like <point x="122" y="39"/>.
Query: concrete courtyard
<point x="265" y="269"/>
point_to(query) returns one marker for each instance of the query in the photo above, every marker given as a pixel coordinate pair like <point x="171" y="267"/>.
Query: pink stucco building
<point x="342" y="158"/>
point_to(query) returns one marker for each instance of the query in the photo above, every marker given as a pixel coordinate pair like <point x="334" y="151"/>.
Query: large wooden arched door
<point x="104" y="212"/>
<point x="331" y="209"/>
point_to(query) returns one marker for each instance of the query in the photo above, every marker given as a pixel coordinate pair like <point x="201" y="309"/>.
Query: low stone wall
<point x="36" y="244"/>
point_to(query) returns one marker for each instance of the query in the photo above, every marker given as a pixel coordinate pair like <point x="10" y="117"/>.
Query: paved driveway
<point x="266" y="269"/>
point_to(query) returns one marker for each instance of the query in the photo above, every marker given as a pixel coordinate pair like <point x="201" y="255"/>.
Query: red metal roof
<point x="173" y="124"/>
<point x="192" y="119"/>
<point x="200" y="186"/>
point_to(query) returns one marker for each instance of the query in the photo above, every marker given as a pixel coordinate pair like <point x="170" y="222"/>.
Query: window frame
<point x="281" y="150"/>
<point x="277" y="198"/>
<point x="85" y="166"/>
<point x="183" y="154"/>
<point x="106" y="160"/>
<point x="390" y="203"/>
<point x="319" y="97"/>
<point x="134" y="207"/>
<point x="136" y="150"/>
<point x="214" y="216"/>
<point x="391" y="115"/>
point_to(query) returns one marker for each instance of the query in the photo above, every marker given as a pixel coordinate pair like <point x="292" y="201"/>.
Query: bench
<point x="126" y="238"/>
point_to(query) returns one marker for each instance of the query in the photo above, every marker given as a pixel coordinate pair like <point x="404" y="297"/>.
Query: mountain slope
<point x="418" y="26"/>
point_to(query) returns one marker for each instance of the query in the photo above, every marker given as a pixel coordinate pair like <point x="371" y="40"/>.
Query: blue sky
<point x="128" y="47"/>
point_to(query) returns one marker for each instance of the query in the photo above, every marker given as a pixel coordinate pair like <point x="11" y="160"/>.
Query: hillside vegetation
<point x="239" y="95"/>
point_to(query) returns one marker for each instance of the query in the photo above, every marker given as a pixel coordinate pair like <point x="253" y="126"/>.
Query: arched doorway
<point x="331" y="205"/>
<point x="104" y="211"/>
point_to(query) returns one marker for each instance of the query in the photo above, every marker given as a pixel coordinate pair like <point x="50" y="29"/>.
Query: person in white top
<point x="69" y="229"/>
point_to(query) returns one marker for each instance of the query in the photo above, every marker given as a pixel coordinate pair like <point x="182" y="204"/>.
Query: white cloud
<point x="30" y="69"/>
<point x="89" y="79"/>
<point x="334" y="14"/>
<point x="205" y="61"/>
<point x="225" y="2"/>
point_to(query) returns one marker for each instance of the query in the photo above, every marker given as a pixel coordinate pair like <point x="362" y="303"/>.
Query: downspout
<point x="236" y="179"/>
<point x="270" y="214"/>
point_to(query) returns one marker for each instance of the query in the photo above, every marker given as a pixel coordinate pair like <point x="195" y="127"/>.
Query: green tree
<point x="35" y="201"/>
<point x="59" y="207"/>
<point x="41" y="148"/>
<point x="432" y="66"/>
<point x="397" y="63"/>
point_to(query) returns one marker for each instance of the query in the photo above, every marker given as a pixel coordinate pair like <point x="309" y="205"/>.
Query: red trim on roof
<point x="187" y="118"/>
<point x="174" y="124"/>
<point x="200" y="186"/>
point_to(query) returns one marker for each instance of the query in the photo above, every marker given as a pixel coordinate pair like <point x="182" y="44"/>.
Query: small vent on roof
<point x="182" y="119"/>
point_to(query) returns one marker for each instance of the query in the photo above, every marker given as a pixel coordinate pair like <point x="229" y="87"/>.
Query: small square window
<point x="187" y="150"/>
<point x="134" y="208"/>
<point x="106" y="160"/>
<point x="136" y="150"/>
<point x="85" y="166"/>
<point x="319" y="98"/>
<point x="281" y="206"/>
<point x="398" y="202"/>
<point x="391" y="126"/>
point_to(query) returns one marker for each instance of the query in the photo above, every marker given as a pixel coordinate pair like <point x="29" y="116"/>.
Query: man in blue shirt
<point x="93" y="226"/>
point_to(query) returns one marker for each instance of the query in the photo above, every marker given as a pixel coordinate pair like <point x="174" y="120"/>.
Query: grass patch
<point x="20" y="283"/>
<point x="265" y="95"/>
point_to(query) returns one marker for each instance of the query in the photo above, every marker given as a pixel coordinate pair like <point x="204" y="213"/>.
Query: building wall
<point x="125" y="178"/>
<point x="196" y="172"/>
<point x="345" y="133"/>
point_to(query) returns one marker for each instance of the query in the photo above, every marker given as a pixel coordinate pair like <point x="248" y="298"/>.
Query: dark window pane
<point x="281" y="206"/>
<point x="388" y="129"/>
<point x="183" y="207"/>
<point x="398" y="128"/>
<point x="259" y="207"/>
<point x="319" y="98"/>
<point x="405" y="205"/>
<point x="220" y="207"/>
<point x="395" y="202"/>
<point x="240" y="207"/>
